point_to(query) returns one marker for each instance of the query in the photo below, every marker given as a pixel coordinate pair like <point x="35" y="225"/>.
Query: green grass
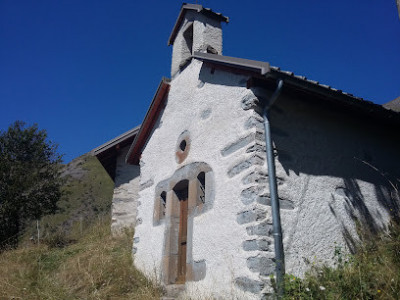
<point x="372" y="273"/>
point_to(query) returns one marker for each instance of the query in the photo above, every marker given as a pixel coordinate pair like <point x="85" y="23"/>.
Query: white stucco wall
<point x="325" y="165"/>
<point x="324" y="182"/>
<point x="125" y="195"/>
<point x="213" y="116"/>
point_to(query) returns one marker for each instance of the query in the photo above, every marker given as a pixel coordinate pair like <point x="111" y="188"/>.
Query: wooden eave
<point x="108" y="152"/>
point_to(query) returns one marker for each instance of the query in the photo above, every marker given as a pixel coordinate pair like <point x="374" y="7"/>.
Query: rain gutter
<point x="276" y="217"/>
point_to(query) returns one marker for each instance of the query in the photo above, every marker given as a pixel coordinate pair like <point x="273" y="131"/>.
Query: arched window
<point x="187" y="45"/>
<point x="201" y="193"/>
<point x="163" y="204"/>
<point x="160" y="207"/>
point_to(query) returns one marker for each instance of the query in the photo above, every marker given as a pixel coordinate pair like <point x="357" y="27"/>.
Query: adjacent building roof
<point x="107" y="153"/>
<point x="156" y="106"/>
<point x="199" y="8"/>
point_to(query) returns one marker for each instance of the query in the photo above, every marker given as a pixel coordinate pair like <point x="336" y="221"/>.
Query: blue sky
<point x="86" y="71"/>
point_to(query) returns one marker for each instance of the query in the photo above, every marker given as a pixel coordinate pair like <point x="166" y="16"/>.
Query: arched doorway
<point x="181" y="190"/>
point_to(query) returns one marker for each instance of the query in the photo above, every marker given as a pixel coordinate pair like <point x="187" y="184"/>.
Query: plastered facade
<point x="336" y="170"/>
<point x="327" y="183"/>
<point x="125" y="197"/>
<point x="197" y="104"/>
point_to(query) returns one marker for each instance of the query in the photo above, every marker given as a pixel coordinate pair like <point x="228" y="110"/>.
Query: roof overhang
<point x="123" y="138"/>
<point x="258" y="67"/>
<point x="195" y="7"/>
<point x="324" y="95"/>
<point x="108" y="152"/>
<point x="156" y="106"/>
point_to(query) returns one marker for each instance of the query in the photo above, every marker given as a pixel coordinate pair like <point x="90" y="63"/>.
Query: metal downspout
<point x="276" y="217"/>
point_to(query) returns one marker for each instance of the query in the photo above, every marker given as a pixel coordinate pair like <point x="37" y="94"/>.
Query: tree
<point x="30" y="182"/>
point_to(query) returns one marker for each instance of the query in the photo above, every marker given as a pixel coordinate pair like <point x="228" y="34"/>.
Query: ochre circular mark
<point x="182" y="147"/>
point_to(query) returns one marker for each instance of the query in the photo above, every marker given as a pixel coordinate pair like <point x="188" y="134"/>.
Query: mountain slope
<point x="87" y="197"/>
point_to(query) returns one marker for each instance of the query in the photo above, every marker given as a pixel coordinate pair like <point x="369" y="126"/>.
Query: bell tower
<point x="196" y="29"/>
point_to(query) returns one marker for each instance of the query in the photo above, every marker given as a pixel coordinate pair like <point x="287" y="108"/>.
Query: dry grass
<point x="97" y="266"/>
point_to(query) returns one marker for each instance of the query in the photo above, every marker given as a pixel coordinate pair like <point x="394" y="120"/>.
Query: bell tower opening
<point x="196" y="29"/>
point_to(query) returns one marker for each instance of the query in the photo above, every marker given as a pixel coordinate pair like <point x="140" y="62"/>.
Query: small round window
<point x="183" y="146"/>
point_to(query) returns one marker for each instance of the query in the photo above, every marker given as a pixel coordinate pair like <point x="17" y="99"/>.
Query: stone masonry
<point x="124" y="203"/>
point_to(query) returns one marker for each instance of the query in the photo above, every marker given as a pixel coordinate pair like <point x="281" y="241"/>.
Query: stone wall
<point x="197" y="32"/>
<point x="256" y="217"/>
<point x="124" y="203"/>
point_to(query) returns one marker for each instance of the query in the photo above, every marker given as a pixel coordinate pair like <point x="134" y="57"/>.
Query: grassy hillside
<point x="87" y="196"/>
<point x="76" y="257"/>
<point x="96" y="266"/>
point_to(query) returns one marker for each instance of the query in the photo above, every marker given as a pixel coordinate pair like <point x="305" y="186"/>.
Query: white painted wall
<point x="323" y="170"/>
<point x="323" y="180"/>
<point x="217" y="237"/>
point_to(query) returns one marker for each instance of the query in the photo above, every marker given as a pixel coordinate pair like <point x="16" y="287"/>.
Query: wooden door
<point x="182" y="240"/>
